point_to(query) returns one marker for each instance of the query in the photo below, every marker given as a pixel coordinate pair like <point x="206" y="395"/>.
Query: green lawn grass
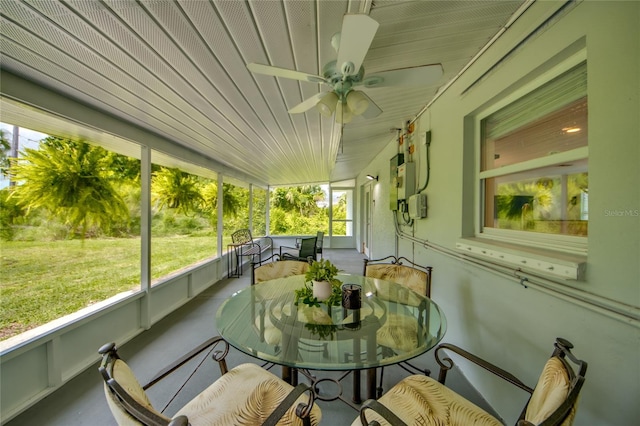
<point x="43" y="281"/>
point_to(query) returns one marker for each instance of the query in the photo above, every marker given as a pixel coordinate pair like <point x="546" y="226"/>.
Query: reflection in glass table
<point x="263" y="321"/>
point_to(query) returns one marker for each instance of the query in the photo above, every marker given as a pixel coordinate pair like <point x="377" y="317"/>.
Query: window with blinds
<point x="534" y="160"/>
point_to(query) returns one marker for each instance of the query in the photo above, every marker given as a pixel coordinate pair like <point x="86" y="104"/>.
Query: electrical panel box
<point x="406" y="180"/>
<point x="418" y="206"/>
<point x="396" y="161"/>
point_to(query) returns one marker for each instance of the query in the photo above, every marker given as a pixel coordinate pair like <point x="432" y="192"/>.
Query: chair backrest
<point x="241" y="236"/>
<point x="319" y="241"/>
<point x="402" y="271"/>
<point x="308" y="248"/>
<point x="126" y="398"/>
<point x="555" y="398"/>
<point x="278" y="269"/>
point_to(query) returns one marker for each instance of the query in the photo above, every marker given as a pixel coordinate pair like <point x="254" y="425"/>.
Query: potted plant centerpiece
<point x="324" y="285"/>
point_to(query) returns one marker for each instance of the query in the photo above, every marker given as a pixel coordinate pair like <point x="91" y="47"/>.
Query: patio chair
<point x="420" y="400"/>
<point x="307" y="249"/>
<point x="273" y="268"/>
<point x="245" y="392"/>
<point x="401" y="332"/>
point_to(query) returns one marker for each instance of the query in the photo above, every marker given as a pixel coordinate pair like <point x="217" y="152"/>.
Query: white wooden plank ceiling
<point x="178" y="69"/>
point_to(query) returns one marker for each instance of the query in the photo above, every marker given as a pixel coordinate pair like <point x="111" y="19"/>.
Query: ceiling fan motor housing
<point x="342" y="83"/>
<point x="333" y="75"/>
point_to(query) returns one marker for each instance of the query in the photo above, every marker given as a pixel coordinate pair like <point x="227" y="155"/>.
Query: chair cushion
<point x="272" y="336"/>
<point x="399" y="332"/>
<point x="125" y="377"/>
<point x="310" y="314"/>
<point x="421" y="400"/>
<point x="410" y="278"/>
<point x="551" y="391"/>
<point x="280" y="269"/>
<point x="246" y="395"/>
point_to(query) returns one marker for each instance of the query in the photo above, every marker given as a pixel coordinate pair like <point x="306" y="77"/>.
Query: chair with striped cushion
<point x="246" y="394"/>
<point x="421" y="400"/>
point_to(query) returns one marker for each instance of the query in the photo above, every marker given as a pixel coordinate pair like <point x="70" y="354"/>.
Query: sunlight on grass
<point x="43" y="281"/>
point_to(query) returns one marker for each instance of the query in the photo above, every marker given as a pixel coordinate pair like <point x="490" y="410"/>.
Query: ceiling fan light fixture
<point x="343" y="113"/>
<point x="327" y="105"/>
<point x="357" y="101"/>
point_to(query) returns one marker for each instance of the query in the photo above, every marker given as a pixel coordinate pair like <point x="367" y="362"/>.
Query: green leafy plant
<point x="321" y="270"/>
<point x="323" y="331"/>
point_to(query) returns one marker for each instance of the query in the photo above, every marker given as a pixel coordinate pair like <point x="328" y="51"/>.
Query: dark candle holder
<point x="351" y="296"/>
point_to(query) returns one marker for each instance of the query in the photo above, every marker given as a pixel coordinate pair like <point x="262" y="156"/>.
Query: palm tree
<point x="73" y="181"/>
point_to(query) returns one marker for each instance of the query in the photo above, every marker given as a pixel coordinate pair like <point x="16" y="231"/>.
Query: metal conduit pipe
<point x="610" y="308"/>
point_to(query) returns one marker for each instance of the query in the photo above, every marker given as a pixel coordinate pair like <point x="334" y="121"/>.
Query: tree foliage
<point x="172" y="188"/>
<point x="298" y="210"/>
<point x="88" y="187"/>
<point x="303" y="199"/>
<point x="72" y="180"/>
<point x="5" y="147"/>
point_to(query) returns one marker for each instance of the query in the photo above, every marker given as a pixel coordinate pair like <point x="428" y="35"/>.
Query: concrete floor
<point x="82" y="401"/>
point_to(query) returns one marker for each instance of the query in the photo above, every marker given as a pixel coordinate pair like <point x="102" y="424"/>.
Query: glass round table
<point x="393" y="324"/>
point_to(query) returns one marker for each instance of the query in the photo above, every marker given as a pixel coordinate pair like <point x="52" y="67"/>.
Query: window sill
<point x="537" y="261"/>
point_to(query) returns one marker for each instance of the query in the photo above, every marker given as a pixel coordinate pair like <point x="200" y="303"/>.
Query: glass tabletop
<point x="394" y="324"/>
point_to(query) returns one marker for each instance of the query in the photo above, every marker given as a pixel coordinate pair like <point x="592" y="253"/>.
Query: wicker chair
<point x="246" y="391"/>
<point x="420" y="400"/>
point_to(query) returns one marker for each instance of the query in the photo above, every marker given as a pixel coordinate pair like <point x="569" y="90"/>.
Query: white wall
<point x="490" y="313"/>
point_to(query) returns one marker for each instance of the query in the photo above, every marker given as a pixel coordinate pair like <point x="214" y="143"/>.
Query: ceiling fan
<point x="346" y="73"/>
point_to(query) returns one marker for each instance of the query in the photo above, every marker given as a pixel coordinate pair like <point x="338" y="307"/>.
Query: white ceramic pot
<point x="321" y="290"/>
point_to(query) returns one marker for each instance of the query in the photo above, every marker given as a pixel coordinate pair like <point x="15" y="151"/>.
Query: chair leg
<point x="379" y="389"/>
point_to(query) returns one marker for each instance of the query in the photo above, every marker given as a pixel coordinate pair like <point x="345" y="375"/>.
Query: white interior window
<point x="533" y="171"/>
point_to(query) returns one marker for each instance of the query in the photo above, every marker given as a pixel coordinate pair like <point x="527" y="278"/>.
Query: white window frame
<point x="522" y="247"/>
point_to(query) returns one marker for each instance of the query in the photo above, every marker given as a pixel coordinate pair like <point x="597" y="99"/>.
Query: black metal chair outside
<point x="306" y="250"/>
<point x="319" y="243"/>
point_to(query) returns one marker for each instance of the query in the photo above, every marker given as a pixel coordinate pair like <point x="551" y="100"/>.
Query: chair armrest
<point x="266" y="238"/>
<point x="387" y="414"/>
<point x="447" y="363"/>
<point x="303" y="410"/>
<point x="211" y="343"/>
<point x="179" y="421"/>
<point x="288" y="248"/>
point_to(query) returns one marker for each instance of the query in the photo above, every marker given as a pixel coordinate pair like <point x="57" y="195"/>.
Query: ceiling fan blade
<point x="307" y="104"/>
<point x="355" y="39"/>
<point x="413" y="76"/>
<point x="285" y="73"/>
<point x="372" y="110"/>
